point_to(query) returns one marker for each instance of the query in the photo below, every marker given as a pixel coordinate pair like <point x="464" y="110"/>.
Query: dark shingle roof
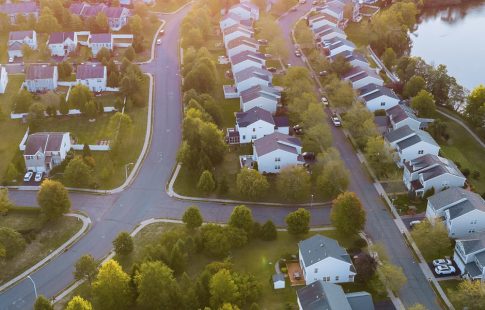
<point x="281" y="121"/>
<point x="37" y="71"/>
<point x="276" y="141"/>
<point x="20" y="35"/>
<point x="452" y="196"/>
<point x="259" y="91"/>
<point x="398" y="134"/>
<point x="60" y="37"/>
<point x="318" y="247"/>
<point x="400" y="112"/>
<point x="323" y="296"/>
<point x="242" y="40"/>
<point x="100" y="38"/>
<point x="247" y="55"/>
<point x="90" y="71"/>
<point x="19" y="8"/>
<point x="244" y="119"/>
<point x="252" y="72"/>
<point x="44" y="142"/>
<point x="372" y="91"/>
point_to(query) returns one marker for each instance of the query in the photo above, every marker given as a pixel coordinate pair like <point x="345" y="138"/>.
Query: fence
<point x="72" y="112"/>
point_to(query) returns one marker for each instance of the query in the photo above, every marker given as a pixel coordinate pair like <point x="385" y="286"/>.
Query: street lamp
<point x="33" y="283"/>
<point x="311" y="202"/>
<point x="126" y="170"/>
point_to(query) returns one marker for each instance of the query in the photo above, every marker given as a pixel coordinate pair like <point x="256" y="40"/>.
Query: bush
<point x="466" y="172"/>
<point x="476" y="174"/>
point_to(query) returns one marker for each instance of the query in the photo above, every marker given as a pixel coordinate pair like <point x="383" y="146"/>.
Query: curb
<point x="65" y="246"/>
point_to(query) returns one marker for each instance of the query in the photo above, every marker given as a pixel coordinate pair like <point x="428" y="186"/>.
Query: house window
<point x="474" y="222"/>
<point x="253" y="137"/>
<point x="277" y="159"/>
<point x="277" y="167"/>
<point x="244" y="137"/>
<point x="420" y="152"/>
<point x="254" y="129"/>
<point x="471" y="231"/>
<point x="326" y="279"/>
<point x="316" y="270"/>
<point x="336" y="278"/>
<point x="383" y="104"/>
<point x="351" y="277"/>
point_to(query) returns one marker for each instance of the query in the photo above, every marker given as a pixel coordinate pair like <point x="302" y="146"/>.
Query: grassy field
<point x="167" y="6"/>
<point x="41" y="240"/>
<point x="449" y="286"/>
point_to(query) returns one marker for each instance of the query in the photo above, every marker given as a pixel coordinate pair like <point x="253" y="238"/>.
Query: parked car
<point x="308" y="155"/>
<point x="263" y="41"/>
<point x="159" y="41"/>
<point x="336" y="121"/>
<point x="28" y="176"/>
<point x="443" y="269"/>
<point x="322" y="73"/>
<point x="324" y="101"/>
<point x="414" y="223"/>
<point x="268" y="56"/>
<point x="162" y="32"/>
<point x="298" y="129"/>
<point x="293" y="9"/>
<point x="272" y="69"/>
<point x="10" y="59"/>
<point x="297" y="53"/>
<point x="442" y="261"/>
<point x="38" y="177"/>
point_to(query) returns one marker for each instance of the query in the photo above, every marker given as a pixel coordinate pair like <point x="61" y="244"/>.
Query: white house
<point x="39" y="77"/>
<point x="322" y="295"/>
<point x="24" y="9"/>
<point x="469" y="256"/>
<point x="402" y="115"/>
<point x="354" y="58"/>
<point x="431" y="172"/>
<point x="62" y="43"/>
<point x="273" y="153"/>
<point x="3" y="79"/>
<point x="229" y="20"/>
<point x="463" y="211"/>
<point x="45" y="150"/>
<point x="321" y="20"/>
<point x="246" y="11"/>
<point x="241" y="44"/>
<point x="16" y="39"/>
<point x="264" y="97"/>
<point x="235" y="32"/>
<point x="361" y="76"/>
<point x="411" y="144"/>
<point x="99" y="40"/>
<point x="322" y="258"/>
<point x="247" y="59"/>
<point x="328" y="32"/>
<point x="337" y="45"/>
<point x="252" y="76"/>
<point x="334" y="9"/>
<point x="117" y="16"/>
<point x="354" y="4"/>
<point x="94" y="76"/>
<point x="376" y="97"/>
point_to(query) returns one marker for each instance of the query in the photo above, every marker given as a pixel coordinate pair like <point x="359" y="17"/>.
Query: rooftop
<point x="38" y="71"/>
<point x="90" y="71"/>
<point x="60" y="37"/>
<point x="277" y="141"/>
<point x="20" y="35"/>
<point x="100" y="38"/>
<point x="318" y="248"/>
<point x="19" y="8"/>
<point x="258" y="91"/>
<point x="253" y="72"/>
<point x="43" y="142"/>
<point x="244" y="119"/>
<point x="454" y="195"/>
<point x="399" y="134"/>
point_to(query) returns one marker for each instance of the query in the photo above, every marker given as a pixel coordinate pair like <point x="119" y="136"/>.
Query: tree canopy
<point x="348" y="215"/>
<point x="53" y="199"/>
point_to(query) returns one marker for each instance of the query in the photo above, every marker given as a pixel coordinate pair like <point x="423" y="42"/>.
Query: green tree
<point x="218" y="241"/>
<point x="121" y="131"/>
<point x="5" y="202"/>
<point x="414" y="86"/>
<point x="42" y="303"/>
<point x="192" y="217"/>
<point x="36" y="115"/>
<point x="85" y="268"/>
<point x="268" y="231"/>
<point x="178" y="257"/>
<point x="475" y="108"/>
<point x="156" y="286"/>
<point x="379" y="156"/>
<point x="22" y="101"/>
<point x="469" y="295"/>
<point x="340" y="93"/>
<point x="78" y="173"/>
<point x="64" y="70"/>
<point x="391" y="276"/>
<point x="103" y="55"/>
<point x="123" y="244"/>
<point x="334" y="179"/>
<point x="11" y="173"/>
<point x="102" y="24"/>
<point x="53" y="199"/>
<point x="251" y="184"/>
<point x="79" y="303"/>
<point x="130" y="53"/>
<point x="423" y="103"/>
<point x="47" y="23"/>
<point x="360" y="123"/>
<point x="348" y="215"/>
<point x="242" y="217"/>
<point x="206" y="182"/>
<point x="63" y="106"/>
<point x="293" y="183"/>
<point x="12" y="241"/>
<point x="222" y="289"/>
<point x="298" y="222"/>
<point x="432" y="240"/>
<point x="79" y="96"/>
<point x="111" y="289"/>
<point x="389" y="58"/>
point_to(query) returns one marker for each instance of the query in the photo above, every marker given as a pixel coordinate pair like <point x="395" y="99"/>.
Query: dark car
<point x="308" y="155"/>
<point x="272" y="69"/>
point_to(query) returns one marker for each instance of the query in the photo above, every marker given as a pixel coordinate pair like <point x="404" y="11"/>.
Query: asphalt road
<point x="146" y="197"/>
<point x="380" y="225"/>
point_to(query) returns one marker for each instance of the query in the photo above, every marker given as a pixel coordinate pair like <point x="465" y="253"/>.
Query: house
<point x="274" y="152"/>
<point x="322" y="258"/>
<point x="411" y="144"/>
<point x="25" y="9"/>
<point x="255" y="124"/>
<point x="354" y="58"/>
<point x="94" y="76"/>
<point x="376" y="97"/>
<point x="231" y="19"/>
<point x="3" y="79"/>
<point x="463" y="211"/>
<point x="337" y="45"/>
<point x="278" y="281"/>
<point x="431" y="172"/>
<point x="354" y="4"/>
<point x="328" y="32"/>
<point x="236" y="31"/>
<point x="322" y="19"/>
<point x="45" y="150"/>
<point x="99" y="40"/>
<point x="241" y="44"/>
<point x="117" y="16"/>
<point x="247" y="59"/>
<point x="16" y="39"/>
<point x="264" y="97"/>
<point x="252" y="76"/>
<point x="322" y="295"/>
<point x="245" y="10"/>
<point x="402" y="115"/>
<point x="334" y="9"/>
<point x="40" y="78"/>
<point x="361" y="76"/>
<point x="469" y="256"/>
<point x="62" y="43"/>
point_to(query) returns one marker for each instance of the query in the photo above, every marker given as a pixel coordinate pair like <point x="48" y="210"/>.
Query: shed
<point x="278" y="281"/>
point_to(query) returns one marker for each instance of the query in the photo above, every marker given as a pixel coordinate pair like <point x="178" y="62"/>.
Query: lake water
<point x="454" y="37"/>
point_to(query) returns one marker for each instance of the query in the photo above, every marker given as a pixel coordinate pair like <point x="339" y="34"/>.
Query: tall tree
<point x="475" y="108"/>
<point x="340" y="94"/>
<point x="392" y="276"/>
<point x="222" y="289"/>
<point x="22" y="101"/>
<point x="268" y="231"/>
<point x="123" y="243"/>
<point x="206" y="182"/>
<point x="423" y="103"/>
<point x="85" y="267"/>
<point x="12" y="241"/>
<point x="414" y="86"/>
<point x="53" y="199"/>
<point x="242" y="217"/>
<point x="79" y="303"/>
<point x="251" y="184"/>
<point x="78" y="173"/>
<point x="294" y="184"/>
<point x="42" y="303"/>
<point x="156" y="286"/>
<point x="298" y="222"/>
<point x="389" y="58"/>
<point x="5" y="202"/>
<point x="469" y="295"/>
<point x="111" y="289"/>
<point x="348" y="215"/>
<point x="432" y="240"/>
<point x="334" y="179"/>
<point x="192" y="217"/>
<point x="379" y="156"/>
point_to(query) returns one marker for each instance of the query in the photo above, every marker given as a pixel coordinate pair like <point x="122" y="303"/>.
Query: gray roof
<point x="326" y="29"/>
<point x="441" y="169"/>
<point x="323" y="296"/>
<point x="276" y="141"/>
<point x="90" y="71"/>
<point x="43" y="142"/>
<point x="20" y="35"/>
<point x="360" y="301"/>
<point x="247" y="55"/>
<point x="401" y="112"/>
<point x="453" y="196"/>
<point x="350" y="55"/>
<point x="318" y="247"/>
<point x="39" y="72"/>
<point x="420" y="136"/>
<point x="472" y="270"/>
<point x="372" y="91"/>
<point x="237" y="27"/>
<point x="399" y="134"/>
<point x="242" y="40"/>
<point x="323" y="16"/>
<point x="244" y="119"/>
<point x="253" y="72"/>
<point x="260" y="91"/>
<point x="278" y="277"/>
<point x="473" y="245"/>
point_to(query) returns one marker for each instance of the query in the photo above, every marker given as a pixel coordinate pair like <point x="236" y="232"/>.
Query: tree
<point x="12" y="241"/>
<point x="178" y="257"/>
<point x="365" y="266"/>
<point x="22" y="101"/>
<point x="348" y="215"/>
<point x="53" y="199"/>
<point x="102" y="25"/>
<point x="206" y="182"/>
<point x="12" y="173"/>
<point x="293" y="183"/>
<point x="63" y="106"/>
<point x="111" y="289"/>
<point x="389" y="58"/>
<point x="64" y="70"/>
<point x="123" y="244"/>
<point x="475" y="108"/>
<point x="42" y="303"/>
<point x="298" y="222"/>
<point x="334" y="179"/>
<point x="268" y="231"/>
<point x="36" y="115"/>
<point x="47" y="22"/>
<point x="86" y="267"/>
<point x="78" y="173"/>
<point x="391" y="276"/>
<point x="223" y="289"/>
<point x="414" y="86"/>
<point x="156" y="286"/>
<point x="340" y="94"/>
<point x="121" y="131"/>
<point x="79" y="303"/>
<point x="242" y="217"/>
<point x="304" y="36"/>
<point x="5" y="202"/>
<point x="192" y="217"/>
<point x="379" y="156"/>
<point x="423" y="103"/>
<point x="360" y="123"/>
<point x="251" y="184"/>
<point x="130" y="53"/>
<point x="79" y="96"/>
<point x="432" y="240"/>
<point x="103" y="55"/>
<point x="218" y="241"/>
<point x="469" y="295"/>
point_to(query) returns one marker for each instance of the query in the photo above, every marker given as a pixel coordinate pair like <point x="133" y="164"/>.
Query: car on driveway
<point x="336" y="121"/>
<point x="162" y="32"/>
<point x="28" y="176"/>
<point x="272" y="69"/>
<point x="10" y="60"/>
<point x="263" y="41"/>
<point x="414" y="223"/>
<point x="443" y="270"/>
<point x="297" y="53"/>
<point x="442" y="261"/>
<point x="159" y="41"/>
<point x="38" y="177"/>
<point x="324" y="101"/>
<point x="308" y="156"/>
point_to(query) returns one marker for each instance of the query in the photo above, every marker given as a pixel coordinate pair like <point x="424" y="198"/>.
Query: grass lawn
<point x="449" y="286"/>
<point x="403" y="202"/>
<point x="167" y="6"/>
<point x="149" y="31"/>
<point x="41" y="240"/>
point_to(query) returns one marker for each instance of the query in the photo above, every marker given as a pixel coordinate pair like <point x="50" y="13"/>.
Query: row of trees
<point x="268" y="29"/>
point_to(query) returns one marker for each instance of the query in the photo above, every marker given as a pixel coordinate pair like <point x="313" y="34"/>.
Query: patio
<point x="295" y="273"/>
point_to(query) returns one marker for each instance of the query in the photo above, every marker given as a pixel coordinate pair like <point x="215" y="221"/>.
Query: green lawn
<point x="403" y="202"/>
<point x="449" y="286"/>
<point x="41" y="240"/>
<point x="167" y="6"/>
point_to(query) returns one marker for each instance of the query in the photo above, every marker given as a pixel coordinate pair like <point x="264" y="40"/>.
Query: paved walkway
<point x="462" y="124"/>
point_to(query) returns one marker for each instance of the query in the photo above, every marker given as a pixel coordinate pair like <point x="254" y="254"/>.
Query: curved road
<point x="146" y="197"/>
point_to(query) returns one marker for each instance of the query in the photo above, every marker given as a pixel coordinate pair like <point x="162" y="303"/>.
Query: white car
<point x="297" y="53"/>
<point x="325" y="101"/>
<point x="414" y="223"/>
<point x="159" y="41"/>
<point x="336" y="121"/>
<point x="38" y="177"/>
<point x="10" y="59"/>
<point x="442" y="269"/>
<point x="442" y="261"/>
<point x="28" y="176"/>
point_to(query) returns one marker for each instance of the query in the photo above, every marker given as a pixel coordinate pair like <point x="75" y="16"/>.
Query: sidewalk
<point x="462" y="124"/>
